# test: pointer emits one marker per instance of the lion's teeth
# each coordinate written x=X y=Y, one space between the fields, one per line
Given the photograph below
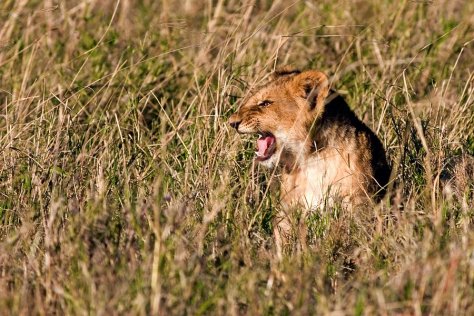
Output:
x=260 y=136
x=258 y=154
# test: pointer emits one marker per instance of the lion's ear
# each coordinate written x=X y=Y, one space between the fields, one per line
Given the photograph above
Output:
x=313 y=86
x=285 y=71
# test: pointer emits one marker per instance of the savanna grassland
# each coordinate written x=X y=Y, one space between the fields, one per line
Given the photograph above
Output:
x=124 y=191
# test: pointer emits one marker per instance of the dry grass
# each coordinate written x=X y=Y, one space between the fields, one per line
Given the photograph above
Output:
x=123 y=190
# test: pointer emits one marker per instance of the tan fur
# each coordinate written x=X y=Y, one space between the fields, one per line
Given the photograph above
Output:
x=324 y=151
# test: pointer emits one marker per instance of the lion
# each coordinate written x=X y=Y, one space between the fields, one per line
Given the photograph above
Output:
x=323 y=151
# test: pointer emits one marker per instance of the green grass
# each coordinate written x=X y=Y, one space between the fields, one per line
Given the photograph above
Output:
x=124 y=191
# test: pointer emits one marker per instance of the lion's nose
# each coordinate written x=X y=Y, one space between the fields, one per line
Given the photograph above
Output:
x=234 y=122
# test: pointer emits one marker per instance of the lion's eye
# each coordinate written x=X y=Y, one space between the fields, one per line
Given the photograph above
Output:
x=265 y=103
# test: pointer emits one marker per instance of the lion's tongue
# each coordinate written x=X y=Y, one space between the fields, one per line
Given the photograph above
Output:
x=263 y=144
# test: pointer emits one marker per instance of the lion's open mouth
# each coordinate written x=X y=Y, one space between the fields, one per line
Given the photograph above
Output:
x=266 y=144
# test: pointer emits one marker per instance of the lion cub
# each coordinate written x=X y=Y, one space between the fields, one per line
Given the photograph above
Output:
x=325 y=152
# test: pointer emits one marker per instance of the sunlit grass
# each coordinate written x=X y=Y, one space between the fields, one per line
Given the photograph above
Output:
x=123 y=190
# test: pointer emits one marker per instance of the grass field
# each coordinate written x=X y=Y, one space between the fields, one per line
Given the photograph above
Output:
x=124 y=191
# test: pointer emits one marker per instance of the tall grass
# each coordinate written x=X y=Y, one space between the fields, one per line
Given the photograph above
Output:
x=123 y=190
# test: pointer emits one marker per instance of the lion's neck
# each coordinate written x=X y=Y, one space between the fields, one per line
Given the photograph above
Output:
x=321 y=167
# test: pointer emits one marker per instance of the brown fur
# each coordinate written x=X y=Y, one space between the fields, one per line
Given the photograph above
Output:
x=324 y=150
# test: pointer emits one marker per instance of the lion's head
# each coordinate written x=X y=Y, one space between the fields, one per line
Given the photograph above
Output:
x=282 y=114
